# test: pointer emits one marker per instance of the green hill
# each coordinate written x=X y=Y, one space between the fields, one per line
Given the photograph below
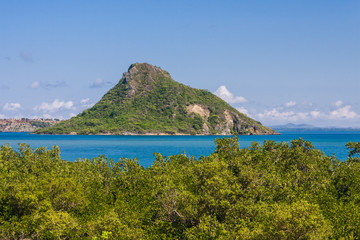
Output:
x=148 y=101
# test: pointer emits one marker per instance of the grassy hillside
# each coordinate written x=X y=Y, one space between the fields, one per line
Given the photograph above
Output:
x=148 y=101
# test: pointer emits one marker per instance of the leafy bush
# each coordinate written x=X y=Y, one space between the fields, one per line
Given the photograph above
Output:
x=269 y=191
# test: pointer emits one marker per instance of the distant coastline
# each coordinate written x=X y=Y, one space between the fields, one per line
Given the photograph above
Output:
x=311 y=128
x=25 y=124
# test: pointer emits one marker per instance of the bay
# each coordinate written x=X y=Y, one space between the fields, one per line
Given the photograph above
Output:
x=143 y=148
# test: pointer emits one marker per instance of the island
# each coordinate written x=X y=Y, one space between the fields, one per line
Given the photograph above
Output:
x=147 y=101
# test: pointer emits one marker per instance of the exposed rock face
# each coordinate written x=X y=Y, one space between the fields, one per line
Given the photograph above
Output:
x=206 y=129
x=148 y=101
x=229 y=122
x=134 y=69
x=201 y=110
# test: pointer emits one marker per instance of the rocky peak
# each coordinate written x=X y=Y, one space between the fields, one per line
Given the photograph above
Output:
x=141 y=77
x=142 y=68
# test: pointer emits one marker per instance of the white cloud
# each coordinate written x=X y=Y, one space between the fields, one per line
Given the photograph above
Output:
x=47 y=116
x=227 y=96
x=48 y=85
x=85 y=100
x=343 y=113
x=290 y=104
x=243 y=110
x=275 y=114
x=2 y=116
x=98 y=83
x=315 y=114
x=35 y=84
x=72 y=115
x=302 y=115
x=11 y=106
x=54 y=106
x=86 y=103
x=338 y=103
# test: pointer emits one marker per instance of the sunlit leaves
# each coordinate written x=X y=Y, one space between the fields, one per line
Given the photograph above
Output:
x=268 y=191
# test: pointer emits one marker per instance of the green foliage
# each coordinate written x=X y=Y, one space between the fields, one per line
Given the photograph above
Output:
x=297 y=220
x=268 y=191
x=39 y=124
x=148 y=100
x=354 y=151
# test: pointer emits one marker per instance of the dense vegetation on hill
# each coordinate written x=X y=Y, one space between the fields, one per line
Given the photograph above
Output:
x=148 y=101
x=273 y=191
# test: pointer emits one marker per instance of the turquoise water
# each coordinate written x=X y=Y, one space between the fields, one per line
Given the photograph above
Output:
x=143 y=147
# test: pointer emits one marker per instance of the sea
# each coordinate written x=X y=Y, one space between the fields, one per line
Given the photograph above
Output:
x=73 y=147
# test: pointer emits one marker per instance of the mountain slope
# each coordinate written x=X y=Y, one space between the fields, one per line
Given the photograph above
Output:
x=148 y=101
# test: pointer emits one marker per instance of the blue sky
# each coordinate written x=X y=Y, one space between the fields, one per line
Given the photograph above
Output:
x=277 y=61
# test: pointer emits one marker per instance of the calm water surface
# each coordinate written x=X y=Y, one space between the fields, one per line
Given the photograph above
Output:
x=73 y=147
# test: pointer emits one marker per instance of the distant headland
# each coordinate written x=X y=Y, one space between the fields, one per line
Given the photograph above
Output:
x=308 y=127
